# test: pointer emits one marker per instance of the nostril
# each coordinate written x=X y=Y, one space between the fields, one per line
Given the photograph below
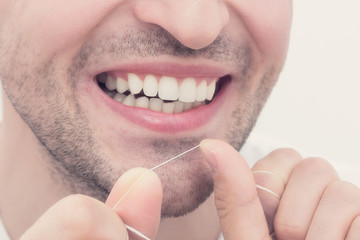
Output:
x=196 y=24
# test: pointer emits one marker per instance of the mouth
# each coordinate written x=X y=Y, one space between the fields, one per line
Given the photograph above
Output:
x=163 y=94
x=165 y=98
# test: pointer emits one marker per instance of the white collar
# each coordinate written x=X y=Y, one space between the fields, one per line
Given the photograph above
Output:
x=3 y=233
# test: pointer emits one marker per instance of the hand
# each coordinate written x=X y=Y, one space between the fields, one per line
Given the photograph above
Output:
x=82 y=217
x=314 y=203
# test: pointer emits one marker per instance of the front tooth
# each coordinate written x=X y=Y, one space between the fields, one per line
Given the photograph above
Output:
x=142 y=102
x=135 y=83
x=110 y=83
x=150 y=86
x=121 y=85
x=129 y=100
x=201 y=91
x=156 y=104
x=187 y=90
x=196 y=104
x=119 y=97
x=211 y=91
x=187 y=106
x=168 y=107
x=168 y=88
x=179 y=107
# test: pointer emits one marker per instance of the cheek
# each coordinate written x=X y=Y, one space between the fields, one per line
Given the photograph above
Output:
x=269 y=23
x=50 y=26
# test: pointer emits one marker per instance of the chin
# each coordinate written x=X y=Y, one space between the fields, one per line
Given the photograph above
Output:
x=185 y=191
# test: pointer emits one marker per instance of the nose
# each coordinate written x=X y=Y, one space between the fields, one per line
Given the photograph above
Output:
x=195 y=23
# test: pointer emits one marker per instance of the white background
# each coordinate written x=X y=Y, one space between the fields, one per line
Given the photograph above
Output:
x=315 y=105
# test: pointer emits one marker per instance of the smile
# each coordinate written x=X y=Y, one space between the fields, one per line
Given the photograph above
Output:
x=166 y=94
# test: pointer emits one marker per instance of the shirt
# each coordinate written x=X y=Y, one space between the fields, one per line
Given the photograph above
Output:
x=3 y=233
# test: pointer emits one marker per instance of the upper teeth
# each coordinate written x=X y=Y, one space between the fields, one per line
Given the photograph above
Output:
x=185 y=93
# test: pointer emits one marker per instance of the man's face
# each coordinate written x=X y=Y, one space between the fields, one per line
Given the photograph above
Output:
x=60 y=62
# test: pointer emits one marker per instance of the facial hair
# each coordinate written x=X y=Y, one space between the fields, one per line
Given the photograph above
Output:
x=73 y=154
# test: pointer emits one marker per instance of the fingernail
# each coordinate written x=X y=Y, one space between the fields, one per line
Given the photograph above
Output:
x=206 y=149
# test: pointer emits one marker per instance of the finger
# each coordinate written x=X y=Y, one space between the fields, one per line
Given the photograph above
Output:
x=339 y=206
x=78 y=217
x=354 y=231
x=239 y=208
x=141 y=207
x=280 y=162
x=301 y=197
x=272 y=172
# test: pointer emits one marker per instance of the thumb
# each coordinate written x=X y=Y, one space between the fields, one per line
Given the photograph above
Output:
x=239 y=208
x=140 y=193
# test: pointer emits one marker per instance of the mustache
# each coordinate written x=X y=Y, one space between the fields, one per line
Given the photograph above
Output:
x=155 y=42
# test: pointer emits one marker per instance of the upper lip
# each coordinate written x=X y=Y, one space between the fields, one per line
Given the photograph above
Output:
x=168 y=68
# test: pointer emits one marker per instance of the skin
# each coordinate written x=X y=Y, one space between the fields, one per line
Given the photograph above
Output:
x=63 y=151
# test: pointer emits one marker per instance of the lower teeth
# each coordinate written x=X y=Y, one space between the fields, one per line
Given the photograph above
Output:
x=154 y=104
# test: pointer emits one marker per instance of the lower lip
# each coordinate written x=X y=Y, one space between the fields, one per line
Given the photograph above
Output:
x=162 y=122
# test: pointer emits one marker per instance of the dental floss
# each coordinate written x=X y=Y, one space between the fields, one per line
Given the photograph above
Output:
x=131 y=188
x=152 y=169
x=173 y=158
x=131 y=229
x=140 y=178
x=136 y=232
x=270 y=173
x=268 y=190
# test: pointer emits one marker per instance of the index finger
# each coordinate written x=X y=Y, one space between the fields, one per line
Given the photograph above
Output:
x=239 y=208
x=141 y=207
